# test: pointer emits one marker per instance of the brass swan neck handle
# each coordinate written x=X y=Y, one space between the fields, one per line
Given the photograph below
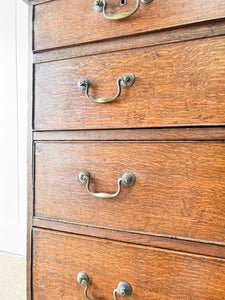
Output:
x=126 y=80
x=123 y=288
x=101 y=5
x=128 y=179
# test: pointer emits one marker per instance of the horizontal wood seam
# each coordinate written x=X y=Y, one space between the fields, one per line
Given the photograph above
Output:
x=122 y=49
x=169 y=126
x=37 y=54
x=164 y=236
x=178 y=134
x=188 y=253
x=157 y=127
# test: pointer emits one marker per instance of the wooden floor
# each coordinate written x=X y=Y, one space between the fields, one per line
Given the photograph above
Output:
x=12 y=277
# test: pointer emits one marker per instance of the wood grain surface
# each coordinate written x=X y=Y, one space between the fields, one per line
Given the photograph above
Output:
x=153 y=134
x=215 y=249
x=179 y=188
x=183 y=33
x=165 y=235
x=152 y=273
x=66 y=22
x=179 y=84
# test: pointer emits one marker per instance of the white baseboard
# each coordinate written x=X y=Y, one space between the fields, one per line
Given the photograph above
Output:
x=13 y=239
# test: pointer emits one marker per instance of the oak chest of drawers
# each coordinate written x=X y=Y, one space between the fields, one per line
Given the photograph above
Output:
x=126 y=153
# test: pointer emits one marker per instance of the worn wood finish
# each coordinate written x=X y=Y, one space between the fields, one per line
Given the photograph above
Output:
x=179 y=188
x=179 y=84
x=189 y=32
x=153 y=134
x=153 y=273
x=63 y=23
x=216 y=249
x=30 y=165
x=165 y=235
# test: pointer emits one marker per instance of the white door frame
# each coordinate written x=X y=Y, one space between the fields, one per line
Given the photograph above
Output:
x=13 y=125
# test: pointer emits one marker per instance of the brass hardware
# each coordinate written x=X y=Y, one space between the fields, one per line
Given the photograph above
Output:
x=126 y=80
x=128 y=179
x=123 y=2
x=123 y=288
x=100 y=6
x=83 y=279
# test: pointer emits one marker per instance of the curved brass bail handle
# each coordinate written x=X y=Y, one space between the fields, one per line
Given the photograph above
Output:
x=123 y=288
x=100 y=6
x=126 y=80
x=128 y=179
x=83 y=279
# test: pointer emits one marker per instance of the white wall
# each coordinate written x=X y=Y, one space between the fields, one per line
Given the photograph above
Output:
x=13 y=124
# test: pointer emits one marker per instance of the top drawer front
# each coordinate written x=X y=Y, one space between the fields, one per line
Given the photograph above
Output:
x=68 y=22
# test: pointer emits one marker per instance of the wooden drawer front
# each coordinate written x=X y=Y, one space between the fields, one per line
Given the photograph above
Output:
x=152 y=273
x=67 y=22
x=179 y=188
x=176 y=84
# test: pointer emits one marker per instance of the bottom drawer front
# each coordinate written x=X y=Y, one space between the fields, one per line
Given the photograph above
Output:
x=152 y=273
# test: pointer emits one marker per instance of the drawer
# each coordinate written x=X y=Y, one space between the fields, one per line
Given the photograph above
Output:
x=177 y=84
x=179 y=187
x=68 y=22
x=152 y=273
